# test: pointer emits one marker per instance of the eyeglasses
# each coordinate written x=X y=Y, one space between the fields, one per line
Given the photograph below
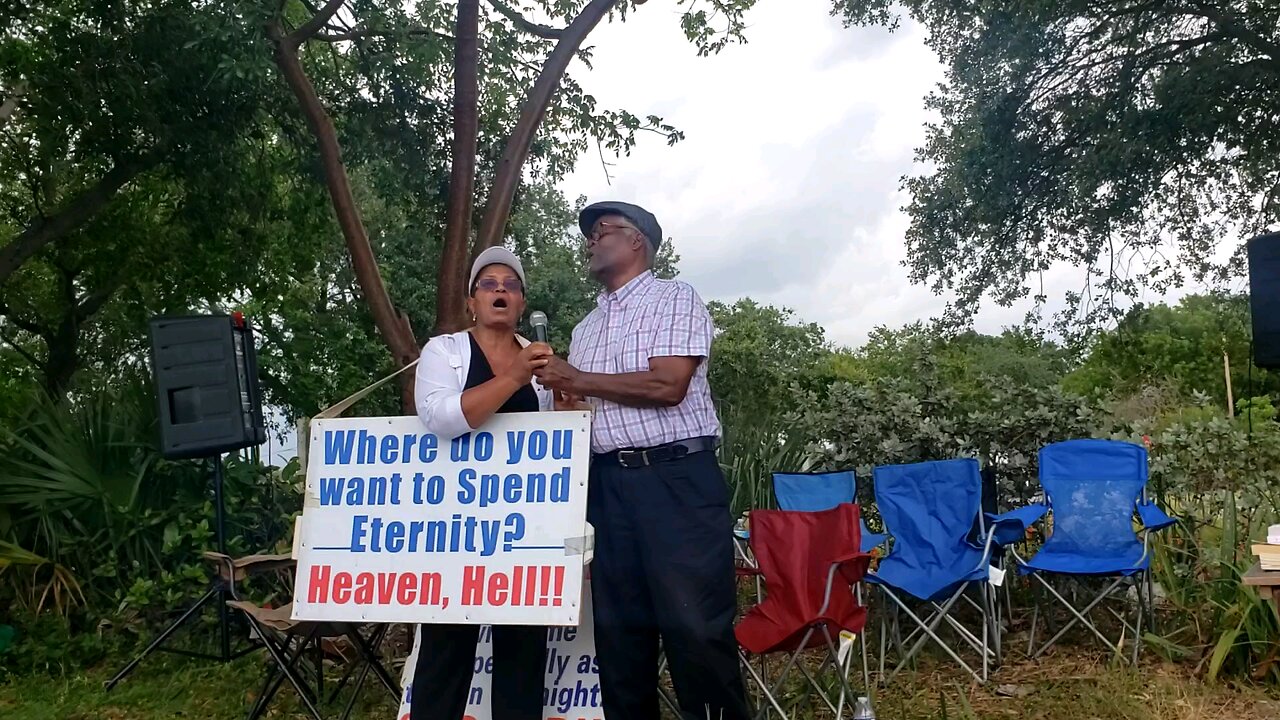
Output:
x=488 y=284
x=604 y=228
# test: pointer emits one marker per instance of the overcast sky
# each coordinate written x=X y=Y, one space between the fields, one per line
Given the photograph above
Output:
x=786 y=188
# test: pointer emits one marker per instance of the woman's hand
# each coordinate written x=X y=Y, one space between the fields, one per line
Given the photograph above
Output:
x=532 y=357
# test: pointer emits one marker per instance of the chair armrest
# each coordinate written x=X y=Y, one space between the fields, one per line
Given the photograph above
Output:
x=1010 y=527
x=851 y=568
x=1152 y=517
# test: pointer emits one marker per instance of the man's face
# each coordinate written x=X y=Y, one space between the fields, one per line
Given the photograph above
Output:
x=612 y=244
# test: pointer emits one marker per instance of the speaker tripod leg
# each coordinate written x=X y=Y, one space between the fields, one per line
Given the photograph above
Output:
x=215 y=590
x=220 y=529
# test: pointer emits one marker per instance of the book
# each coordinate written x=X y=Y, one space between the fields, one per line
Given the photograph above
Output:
x=1268 y=555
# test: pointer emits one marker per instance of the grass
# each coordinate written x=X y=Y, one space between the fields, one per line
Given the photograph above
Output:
x=1077 y=687
x=1074 y=688
x=167 y=686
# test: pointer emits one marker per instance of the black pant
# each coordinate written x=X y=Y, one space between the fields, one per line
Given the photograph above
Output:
x=664 y=566
x=446 y=663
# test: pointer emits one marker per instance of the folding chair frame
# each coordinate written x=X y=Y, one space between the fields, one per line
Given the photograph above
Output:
x=1140 y=581
x=988 y=645
x=289 y=652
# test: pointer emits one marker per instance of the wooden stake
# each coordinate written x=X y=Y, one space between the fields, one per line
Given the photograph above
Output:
x=1226 y=371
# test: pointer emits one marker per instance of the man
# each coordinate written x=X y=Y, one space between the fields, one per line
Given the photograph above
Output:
x=663 y=550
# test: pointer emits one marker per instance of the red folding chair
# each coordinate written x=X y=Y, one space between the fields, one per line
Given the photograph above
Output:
x=811 y=563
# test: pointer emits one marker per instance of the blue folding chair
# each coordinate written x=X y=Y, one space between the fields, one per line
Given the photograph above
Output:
x=1093 y=488
x=930 y=510
x=818 y=491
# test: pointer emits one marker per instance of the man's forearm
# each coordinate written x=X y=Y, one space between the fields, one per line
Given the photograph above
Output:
x=636 y=389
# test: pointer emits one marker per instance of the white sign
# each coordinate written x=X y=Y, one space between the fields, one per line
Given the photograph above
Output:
x=401 y=526
x=571 y=686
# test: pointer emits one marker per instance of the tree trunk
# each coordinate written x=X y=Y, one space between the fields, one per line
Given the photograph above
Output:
x=498 y=209
x=63 y=358
x=451 y=281
x=10 y=104
x=62 y=339
x=392 y=325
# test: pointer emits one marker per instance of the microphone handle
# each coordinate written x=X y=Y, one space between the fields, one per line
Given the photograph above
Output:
x=540 y=333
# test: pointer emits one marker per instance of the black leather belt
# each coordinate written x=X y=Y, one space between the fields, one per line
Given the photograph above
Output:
x=632 y=458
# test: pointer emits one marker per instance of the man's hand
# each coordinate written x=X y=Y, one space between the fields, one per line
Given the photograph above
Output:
x=559 y=375
x=664 y=384
x=569 y=401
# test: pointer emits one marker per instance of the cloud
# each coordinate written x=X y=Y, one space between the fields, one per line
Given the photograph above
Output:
x=787 y=186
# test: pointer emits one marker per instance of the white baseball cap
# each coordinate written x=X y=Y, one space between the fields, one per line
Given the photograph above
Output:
x=496 y=256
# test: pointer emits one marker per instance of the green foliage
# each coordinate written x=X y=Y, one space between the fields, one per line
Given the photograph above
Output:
x=753 y=449
x=49 y=644
x=1179 y=346
x=50 y=584
x=167 y=165
x=84 y=488
x=137 y=166
x=921 y=415
x=968 y=362
x=1220 y=479
x=1204 y=455
x=758 y=353
x=1126 y=138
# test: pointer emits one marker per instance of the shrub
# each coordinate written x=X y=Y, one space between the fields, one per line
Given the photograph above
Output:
x=90 y=505
x=1219 y=476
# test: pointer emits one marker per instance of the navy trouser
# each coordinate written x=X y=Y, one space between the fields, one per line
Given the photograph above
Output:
x=664 y=566
x=446 y=662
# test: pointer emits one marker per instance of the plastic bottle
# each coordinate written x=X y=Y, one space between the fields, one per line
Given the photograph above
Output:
x=862 y=709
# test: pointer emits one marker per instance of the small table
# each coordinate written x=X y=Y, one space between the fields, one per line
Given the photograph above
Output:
x=1267 y=582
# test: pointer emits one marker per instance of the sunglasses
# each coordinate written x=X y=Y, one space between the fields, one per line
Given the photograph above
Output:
x=488 y=284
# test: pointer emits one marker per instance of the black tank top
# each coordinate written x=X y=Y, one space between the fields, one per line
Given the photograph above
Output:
x=524 y=400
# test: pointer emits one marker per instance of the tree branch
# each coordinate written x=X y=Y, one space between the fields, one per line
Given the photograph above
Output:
x=10 y=104
x=498 y=209
x=523 y=23
x=392 y=325
x=35 y=362
x=317 y=21
x=27 y=325
x=1234 y=28
x=450 y=291
x=373 y=33
x=93 y=302
x=73 y=215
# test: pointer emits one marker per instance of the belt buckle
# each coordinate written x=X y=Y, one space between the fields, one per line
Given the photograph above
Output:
x=623 y=460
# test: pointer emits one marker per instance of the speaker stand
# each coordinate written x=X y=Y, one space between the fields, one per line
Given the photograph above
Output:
x=219 y=591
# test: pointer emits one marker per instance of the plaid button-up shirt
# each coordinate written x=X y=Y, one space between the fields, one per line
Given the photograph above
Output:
x=643 y=319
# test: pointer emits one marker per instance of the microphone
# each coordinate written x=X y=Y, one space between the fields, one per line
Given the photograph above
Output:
x=538 y=320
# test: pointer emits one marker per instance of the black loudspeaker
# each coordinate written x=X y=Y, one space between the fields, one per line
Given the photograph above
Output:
x=206 y=379
x=1264 y=298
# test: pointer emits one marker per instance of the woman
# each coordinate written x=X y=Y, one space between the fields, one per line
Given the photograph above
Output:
x=464 y=378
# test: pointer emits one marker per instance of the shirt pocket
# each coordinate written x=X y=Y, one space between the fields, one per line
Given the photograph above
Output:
x=631 y=353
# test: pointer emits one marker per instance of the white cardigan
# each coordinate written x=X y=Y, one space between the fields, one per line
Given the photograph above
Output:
x=440 y=378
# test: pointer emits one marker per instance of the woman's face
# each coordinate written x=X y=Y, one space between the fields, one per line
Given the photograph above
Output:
x=497 y=300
